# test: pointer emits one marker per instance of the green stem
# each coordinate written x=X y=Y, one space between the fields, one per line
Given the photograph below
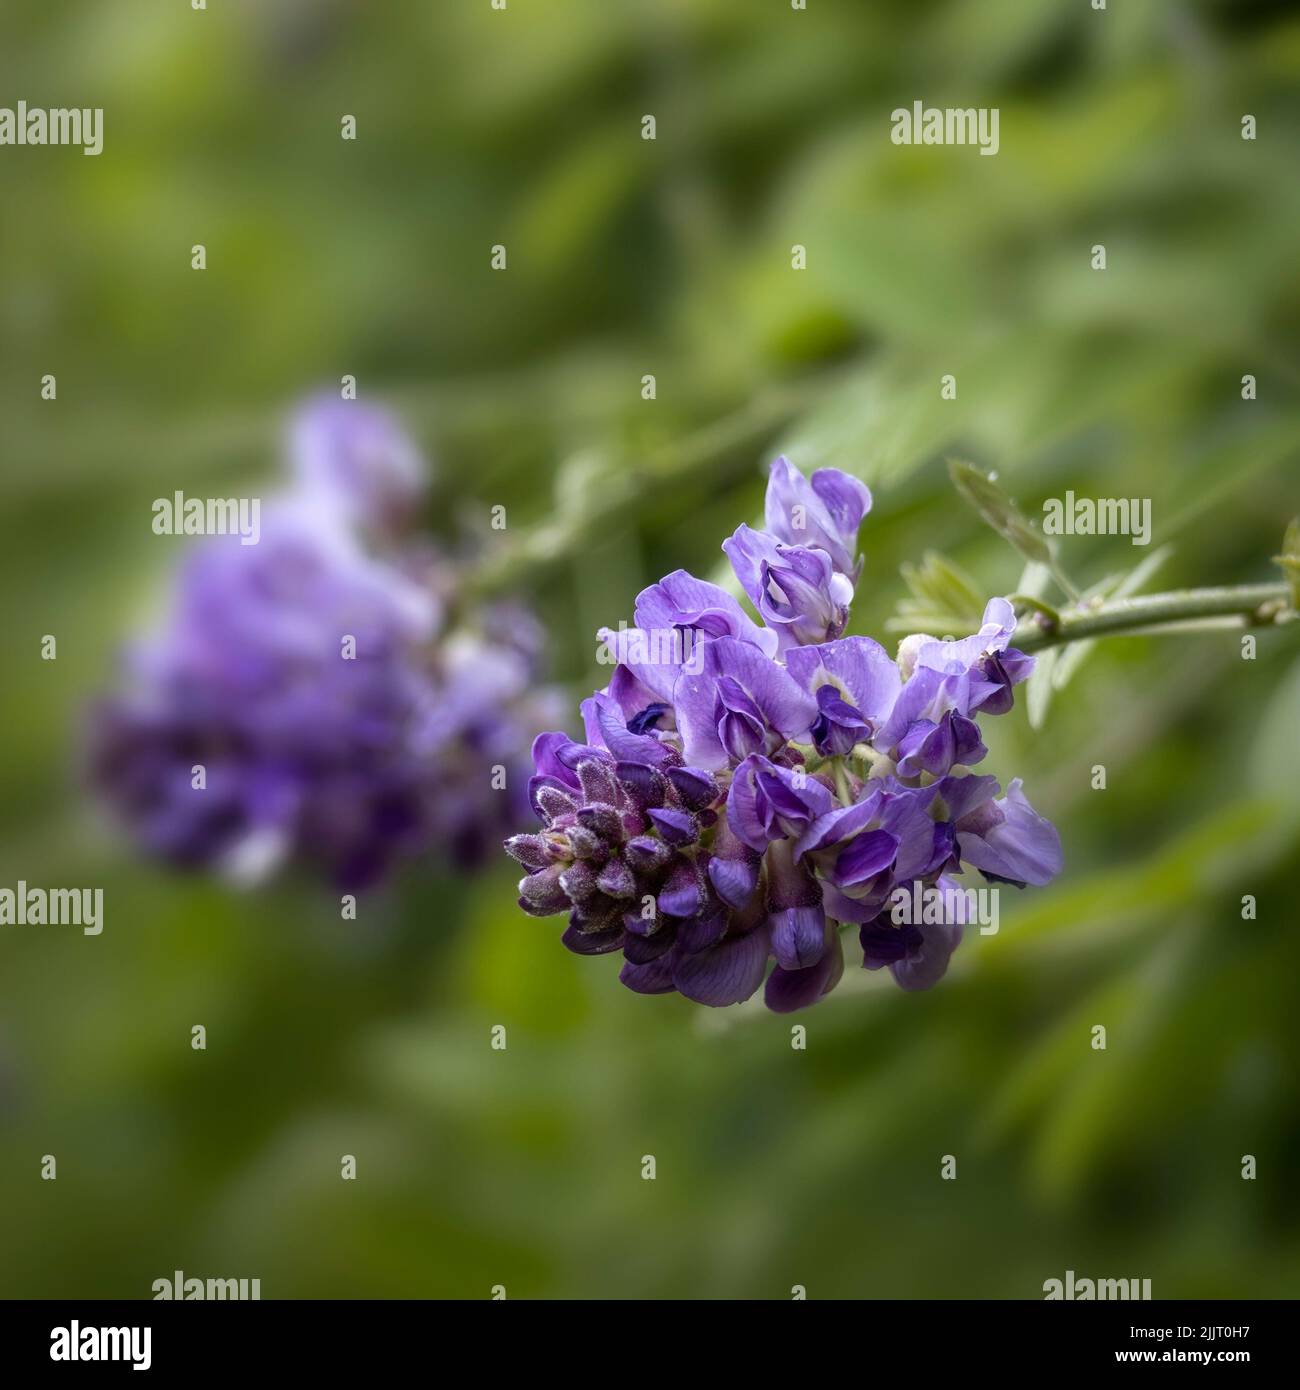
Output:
x=842 y=782
x=1252 y=604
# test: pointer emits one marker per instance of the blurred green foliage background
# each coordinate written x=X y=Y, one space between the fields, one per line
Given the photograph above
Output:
x=776 y=1167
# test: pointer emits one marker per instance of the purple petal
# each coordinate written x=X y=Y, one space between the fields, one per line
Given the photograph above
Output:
x=788 y=990
x=861 y=671
x=680 y=600
x=924 y=967
x=767 y=802
x=825 y=513
x=734 y=880
x=546 y=758
x=532 y=851
x=838 y=824
x=787 y=710
x=681 y=895
x=798 y=936
x=642 y=783
x=696 y=787
x=1023 y=847
x=885 y=942
x=592 y=943
x=705 y=929
x=623 y=744
x=543 y=894
x=641 y=950
x=865 y=856
x=677 y=827
x=653 y=977
x=727 y=973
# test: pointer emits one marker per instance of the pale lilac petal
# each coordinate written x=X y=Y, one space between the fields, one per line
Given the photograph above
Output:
x=860 y=669
x=1023 y=848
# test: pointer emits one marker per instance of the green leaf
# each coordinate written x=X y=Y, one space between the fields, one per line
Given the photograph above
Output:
x=944 y=598
x=998 y=511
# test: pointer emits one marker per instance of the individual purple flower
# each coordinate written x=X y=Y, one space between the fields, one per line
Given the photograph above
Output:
x=674 y=619
x=865 y=849
x=824 y=511
x=1002 y=670
x=682 y=602
x=733 y=866
x=635 y=740
x=1005 y=839
x=965 y=677
x=917 y=953
x=767 y=802
x=855 y=685
x=790 y=989
x=796 y=916
x=934 y=748
x=741 y=702
x=799 y=594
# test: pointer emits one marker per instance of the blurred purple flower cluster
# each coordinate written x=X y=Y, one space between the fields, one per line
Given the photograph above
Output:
x=744 y=789
x=309 y=698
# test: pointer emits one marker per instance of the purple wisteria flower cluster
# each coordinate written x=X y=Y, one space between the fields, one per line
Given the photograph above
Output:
x=746 y=789
x=324 y=696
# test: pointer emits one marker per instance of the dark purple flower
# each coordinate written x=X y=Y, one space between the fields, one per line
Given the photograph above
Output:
x=634 y=741
x=864 y=850
x=1002 y=670
x=794 y=905
x=788 y=990
x=934 y=748
x=674 y=619
x=917 y=954
x=733 y=866
x=767 y=802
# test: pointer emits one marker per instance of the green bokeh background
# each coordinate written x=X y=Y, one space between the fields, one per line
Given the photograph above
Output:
x=776 y=1167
